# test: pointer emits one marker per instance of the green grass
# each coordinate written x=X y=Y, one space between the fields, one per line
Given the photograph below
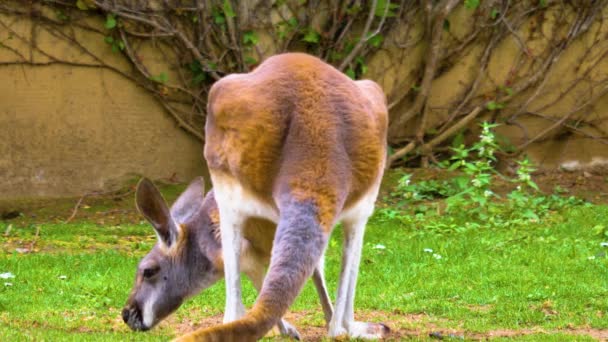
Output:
x=547 y=277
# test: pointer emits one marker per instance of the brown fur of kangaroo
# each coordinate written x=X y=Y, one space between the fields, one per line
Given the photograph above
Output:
x=298 y=143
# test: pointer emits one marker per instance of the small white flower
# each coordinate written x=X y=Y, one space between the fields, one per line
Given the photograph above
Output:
x=379 y=246
x=604 y=244
x=591 y=257
x=488 y=193
x=428 y=250
x=63 y=277
x=8 y=284
x=7 y=275
x=437 y=256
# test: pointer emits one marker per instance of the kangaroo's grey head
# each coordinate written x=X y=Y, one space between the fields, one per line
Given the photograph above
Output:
x=185 y=259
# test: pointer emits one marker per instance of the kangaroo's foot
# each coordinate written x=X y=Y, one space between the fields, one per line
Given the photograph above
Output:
x=288 y=330
x=362 y=330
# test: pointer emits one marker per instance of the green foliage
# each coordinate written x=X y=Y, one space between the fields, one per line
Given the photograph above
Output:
x=383 y=6
x=84 y=5
x=250 y=60
x=228 y=11
x=250 y=38
x=116 y=44
x=198 y=74
x=358 y=69
x=375 y=40
x=110 y=21
x=472 y=4
x=287 y=27
x=61 y=15
x=311 y=36
x=160 y=78
x=470 y=194
x=493 y=105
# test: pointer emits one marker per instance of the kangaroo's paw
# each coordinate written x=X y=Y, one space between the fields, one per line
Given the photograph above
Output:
x=362 y=330
x=288 y=330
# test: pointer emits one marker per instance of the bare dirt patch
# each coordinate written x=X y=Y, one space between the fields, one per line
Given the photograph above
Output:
x=311 y=326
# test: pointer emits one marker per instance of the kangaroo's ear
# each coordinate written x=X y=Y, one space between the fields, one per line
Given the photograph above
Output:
x=190 y=201
x=152 y=205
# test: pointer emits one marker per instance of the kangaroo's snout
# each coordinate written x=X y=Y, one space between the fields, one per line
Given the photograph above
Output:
x=133 y=318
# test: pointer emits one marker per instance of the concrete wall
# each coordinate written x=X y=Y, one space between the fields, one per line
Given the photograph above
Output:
x=67 y=130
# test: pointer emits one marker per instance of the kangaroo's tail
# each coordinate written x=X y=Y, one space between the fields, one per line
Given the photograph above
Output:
x=299 y=242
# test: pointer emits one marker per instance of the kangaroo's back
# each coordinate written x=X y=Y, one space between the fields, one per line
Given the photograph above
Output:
x=299 y=123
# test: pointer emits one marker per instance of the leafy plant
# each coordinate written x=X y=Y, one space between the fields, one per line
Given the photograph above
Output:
x=110 y=21
x=311 y=36
x=250 y=38
x=471 y=4
x=469 y=193
x=385 y=6
x=116 y=44
x=161 y=78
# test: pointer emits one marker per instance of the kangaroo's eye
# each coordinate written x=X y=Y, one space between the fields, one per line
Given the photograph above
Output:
x=150 y=272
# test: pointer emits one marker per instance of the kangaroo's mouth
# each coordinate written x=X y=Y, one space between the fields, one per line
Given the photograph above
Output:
x=133 y=318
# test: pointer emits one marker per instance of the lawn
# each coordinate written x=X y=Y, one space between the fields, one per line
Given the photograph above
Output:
x=546 y=279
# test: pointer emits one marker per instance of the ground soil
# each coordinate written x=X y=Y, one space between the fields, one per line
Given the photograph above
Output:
x=403 y=327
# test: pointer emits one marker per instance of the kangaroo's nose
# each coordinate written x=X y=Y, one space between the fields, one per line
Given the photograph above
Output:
x=125 y=315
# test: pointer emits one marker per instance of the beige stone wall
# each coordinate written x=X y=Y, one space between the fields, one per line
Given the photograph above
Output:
x=68 y=130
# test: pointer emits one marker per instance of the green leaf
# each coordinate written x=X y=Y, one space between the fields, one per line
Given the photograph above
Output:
x=375 y=40
x=250 y=60
x=493 y=105
x=351 y=73
x=227 y=7
x=110 y=21
x=381 y=8
x=109 y=39
x=446 y=25
x=82 y=5
x=458 y=139
x=219 y=19
x=250 y=38
x=543 y=3
x=471 y=4
x=311 y=36
x=161 y=78
x=494 y=13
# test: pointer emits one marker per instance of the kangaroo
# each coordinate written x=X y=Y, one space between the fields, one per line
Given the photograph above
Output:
x=298 y=143
x=187 y=257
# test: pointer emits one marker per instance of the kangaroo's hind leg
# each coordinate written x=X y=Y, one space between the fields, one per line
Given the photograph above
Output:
x=343 y=322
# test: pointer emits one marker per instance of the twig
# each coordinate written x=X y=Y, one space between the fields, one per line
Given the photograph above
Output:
x=75 y=210
x=33 y=243
x=363 y=39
